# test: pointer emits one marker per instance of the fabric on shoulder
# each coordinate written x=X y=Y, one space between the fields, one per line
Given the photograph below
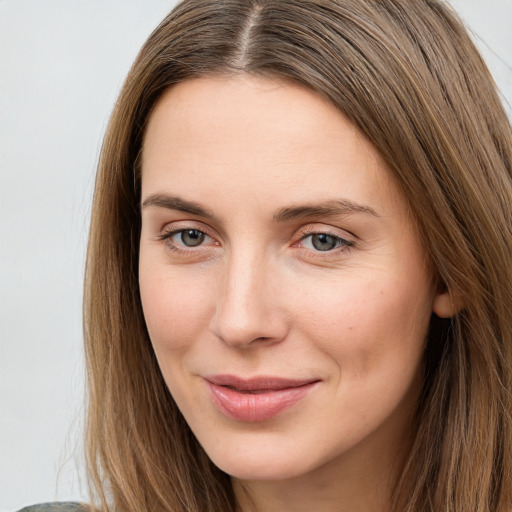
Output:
x=67 y=506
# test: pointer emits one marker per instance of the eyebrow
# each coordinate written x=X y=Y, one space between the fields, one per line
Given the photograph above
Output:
x=176 y=203
x=328 y=208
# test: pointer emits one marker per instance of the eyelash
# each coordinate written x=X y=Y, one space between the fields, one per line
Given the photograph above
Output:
x=342 y=244
x=166 y=237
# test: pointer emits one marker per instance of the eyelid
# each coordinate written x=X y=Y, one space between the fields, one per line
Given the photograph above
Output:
x=344 y=243
x=182 y=225
x=171 y=234
x=319 y=228
x=347 y=239
x=173 y=228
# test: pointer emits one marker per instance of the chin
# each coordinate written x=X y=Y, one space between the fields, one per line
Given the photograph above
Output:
x=260 y=462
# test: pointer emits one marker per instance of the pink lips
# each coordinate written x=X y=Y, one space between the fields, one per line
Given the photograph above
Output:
x=256 y=399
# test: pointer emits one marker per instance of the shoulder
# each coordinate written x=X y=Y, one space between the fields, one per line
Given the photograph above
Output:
x=67 y=506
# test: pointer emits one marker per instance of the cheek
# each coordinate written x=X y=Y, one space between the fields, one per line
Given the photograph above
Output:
x=369 y=327
x=175 y=310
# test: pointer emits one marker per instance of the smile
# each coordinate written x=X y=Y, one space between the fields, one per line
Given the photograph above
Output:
x=257 y=399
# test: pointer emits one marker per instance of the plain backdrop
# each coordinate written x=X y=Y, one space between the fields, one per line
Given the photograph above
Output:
x=62 y=63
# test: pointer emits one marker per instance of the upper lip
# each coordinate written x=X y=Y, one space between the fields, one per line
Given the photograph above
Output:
x=258 y=383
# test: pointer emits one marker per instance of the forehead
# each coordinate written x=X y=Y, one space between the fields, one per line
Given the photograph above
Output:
x=250 y=134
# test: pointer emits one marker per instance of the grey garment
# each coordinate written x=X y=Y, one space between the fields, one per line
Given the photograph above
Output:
x=67 y=506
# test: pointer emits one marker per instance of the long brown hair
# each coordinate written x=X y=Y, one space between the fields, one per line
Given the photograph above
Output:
x=408 y=76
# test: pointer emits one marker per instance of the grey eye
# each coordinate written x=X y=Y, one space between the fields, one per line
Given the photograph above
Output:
x=191 y=237
x=324 y=242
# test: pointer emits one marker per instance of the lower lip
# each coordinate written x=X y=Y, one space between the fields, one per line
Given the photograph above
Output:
x=251 y=407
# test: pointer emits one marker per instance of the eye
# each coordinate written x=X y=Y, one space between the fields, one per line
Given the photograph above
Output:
x=324 y=242
x=190 y=237
x=186 y=238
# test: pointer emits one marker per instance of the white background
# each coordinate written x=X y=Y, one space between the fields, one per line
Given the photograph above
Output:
x=62 y=63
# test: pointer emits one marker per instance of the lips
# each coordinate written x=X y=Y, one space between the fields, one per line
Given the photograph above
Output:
x=256 y=399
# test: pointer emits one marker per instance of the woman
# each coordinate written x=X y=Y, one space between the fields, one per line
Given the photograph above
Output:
x=299 y=283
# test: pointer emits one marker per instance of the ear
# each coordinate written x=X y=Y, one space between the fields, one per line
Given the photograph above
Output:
x=446 y=304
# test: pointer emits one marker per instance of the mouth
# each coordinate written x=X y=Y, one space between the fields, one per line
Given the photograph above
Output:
x=248 y=391
x=256 y=399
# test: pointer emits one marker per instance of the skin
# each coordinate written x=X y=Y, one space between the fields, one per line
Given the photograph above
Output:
x=256 y=296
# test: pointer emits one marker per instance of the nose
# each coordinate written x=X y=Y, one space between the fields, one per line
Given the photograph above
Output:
x=248 y=310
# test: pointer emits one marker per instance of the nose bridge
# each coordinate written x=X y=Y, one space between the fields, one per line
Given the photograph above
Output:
x=246 y=309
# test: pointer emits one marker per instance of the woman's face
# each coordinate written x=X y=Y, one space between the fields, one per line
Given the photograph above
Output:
x=283 y=284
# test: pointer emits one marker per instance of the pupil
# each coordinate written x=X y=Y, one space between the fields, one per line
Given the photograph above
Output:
x=323 y=242
x=192 y=237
